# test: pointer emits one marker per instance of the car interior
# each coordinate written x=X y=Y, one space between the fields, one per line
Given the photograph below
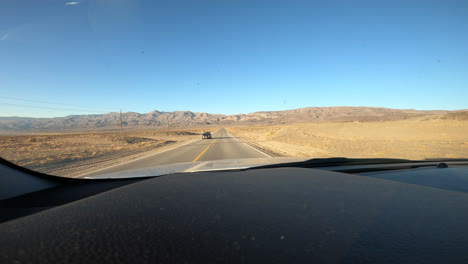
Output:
x=295 y=213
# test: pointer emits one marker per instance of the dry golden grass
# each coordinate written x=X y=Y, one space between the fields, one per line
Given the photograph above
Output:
x=65 y=154
x=69 y=154
x=409 y=139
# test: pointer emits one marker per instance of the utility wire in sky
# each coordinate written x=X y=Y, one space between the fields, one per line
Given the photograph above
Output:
x=55 y=108
x=43 y=102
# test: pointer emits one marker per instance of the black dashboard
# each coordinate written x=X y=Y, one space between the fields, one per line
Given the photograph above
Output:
x=273 y=215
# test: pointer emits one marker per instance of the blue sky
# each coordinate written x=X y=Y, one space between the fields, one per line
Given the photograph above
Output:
x=61 y=57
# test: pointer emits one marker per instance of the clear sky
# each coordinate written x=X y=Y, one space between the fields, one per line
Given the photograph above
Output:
x=230 y=56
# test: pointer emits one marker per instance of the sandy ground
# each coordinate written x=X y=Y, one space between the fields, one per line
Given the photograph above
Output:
x=73 y=154
x=409 y=139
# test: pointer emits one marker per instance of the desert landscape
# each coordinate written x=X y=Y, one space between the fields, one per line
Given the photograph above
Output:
x=71 y=146
x=409 y=139
x=71 y=154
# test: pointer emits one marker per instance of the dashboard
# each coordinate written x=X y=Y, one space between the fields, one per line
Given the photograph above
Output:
x=352 y=214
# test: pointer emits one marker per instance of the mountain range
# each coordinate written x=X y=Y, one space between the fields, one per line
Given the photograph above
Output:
x=159 y=119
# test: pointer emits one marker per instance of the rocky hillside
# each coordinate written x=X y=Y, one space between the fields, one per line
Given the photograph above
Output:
x=461 y=115
x=160 y=119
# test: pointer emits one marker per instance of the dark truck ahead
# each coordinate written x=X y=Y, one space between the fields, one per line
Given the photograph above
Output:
x=206 y=135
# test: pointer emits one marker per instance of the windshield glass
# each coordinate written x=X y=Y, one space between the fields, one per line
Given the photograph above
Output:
x=91 y=87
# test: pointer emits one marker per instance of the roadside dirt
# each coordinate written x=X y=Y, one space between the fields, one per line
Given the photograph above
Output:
x=409 y=139
x=73 y=154
x=77 y=153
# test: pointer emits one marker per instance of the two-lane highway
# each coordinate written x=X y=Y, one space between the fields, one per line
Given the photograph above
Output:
x=222 y=146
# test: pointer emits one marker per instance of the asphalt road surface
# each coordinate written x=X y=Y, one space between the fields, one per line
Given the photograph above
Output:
x=222 y=146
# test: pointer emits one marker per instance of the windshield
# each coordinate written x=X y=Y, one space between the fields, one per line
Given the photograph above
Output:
x=91 y=87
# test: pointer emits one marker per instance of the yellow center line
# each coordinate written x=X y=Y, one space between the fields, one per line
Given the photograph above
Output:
x=204 y=151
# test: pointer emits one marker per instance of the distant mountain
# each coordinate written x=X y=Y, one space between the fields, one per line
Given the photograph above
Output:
x=459 y=115
x=158 y=119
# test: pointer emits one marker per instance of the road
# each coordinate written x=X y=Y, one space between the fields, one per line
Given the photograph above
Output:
x=222 y=146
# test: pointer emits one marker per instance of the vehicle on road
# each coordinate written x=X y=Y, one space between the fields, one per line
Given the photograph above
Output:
x=332 y=131
x=206 y=135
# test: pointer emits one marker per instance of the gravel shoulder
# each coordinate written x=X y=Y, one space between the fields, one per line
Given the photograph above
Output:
x=73 y=154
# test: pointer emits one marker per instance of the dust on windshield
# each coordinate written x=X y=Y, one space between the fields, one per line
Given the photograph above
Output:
x=93 y=87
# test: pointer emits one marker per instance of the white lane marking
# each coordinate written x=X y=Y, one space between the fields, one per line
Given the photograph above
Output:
x=220 y=169
x=196 y=167
x=249 y=145
x=143 y=157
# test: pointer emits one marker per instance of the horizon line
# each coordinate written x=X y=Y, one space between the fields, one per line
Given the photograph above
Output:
x=155 y=110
